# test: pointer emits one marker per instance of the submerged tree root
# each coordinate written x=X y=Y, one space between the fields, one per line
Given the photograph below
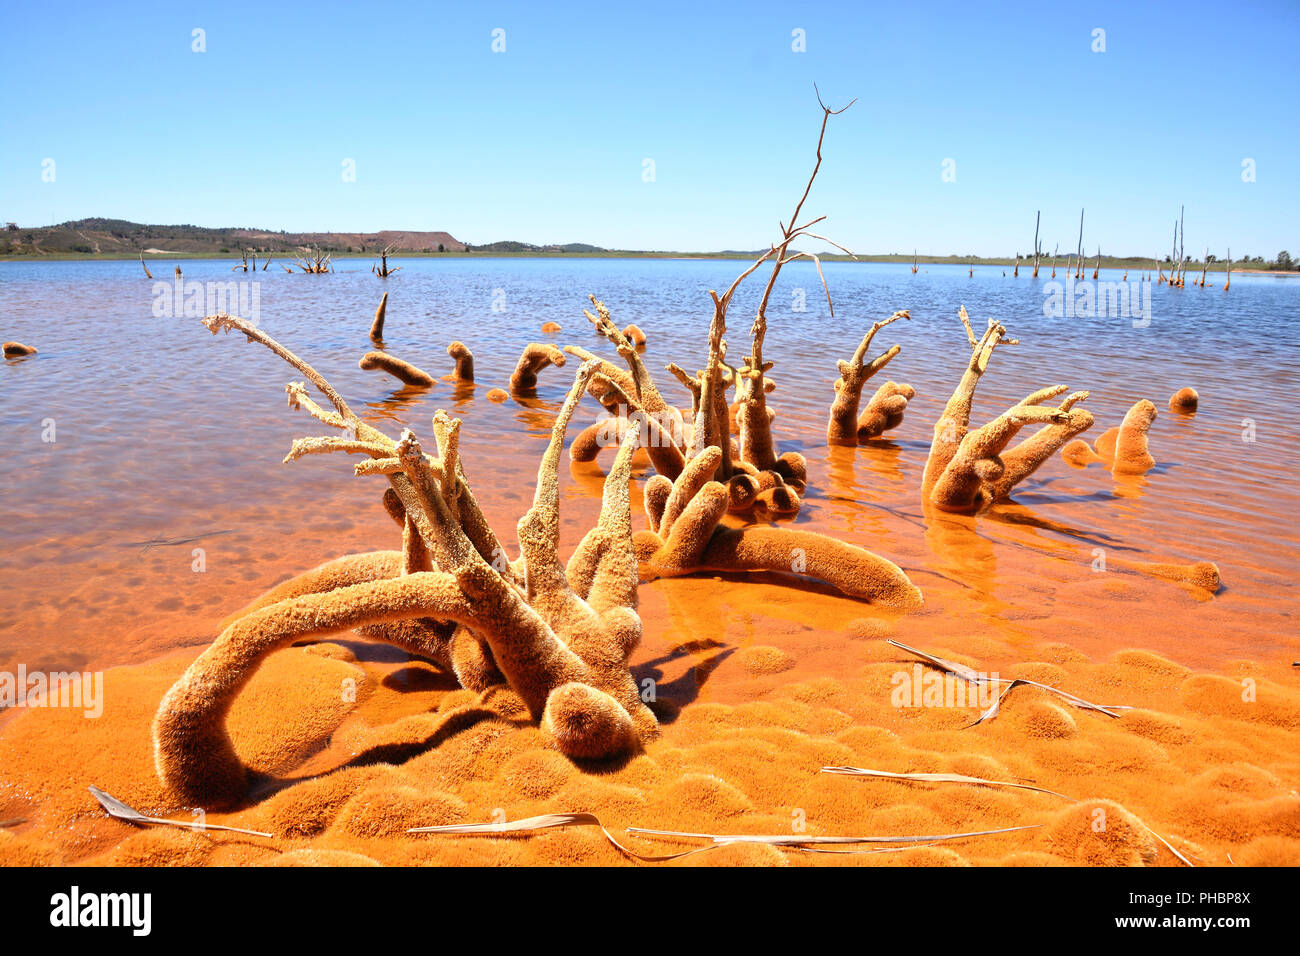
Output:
x=535 y=357
x=464 y=362
x=884 y=411
x=1124 y=449
x=559 y=636
x=395 y=367
x=686 y=536
x=969 y=469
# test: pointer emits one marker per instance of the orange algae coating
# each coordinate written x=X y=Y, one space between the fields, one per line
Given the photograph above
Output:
x=1184 y=400
x=464 y=361
x=395 y=367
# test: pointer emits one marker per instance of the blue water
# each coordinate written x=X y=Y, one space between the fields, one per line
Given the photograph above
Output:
x=163 y=433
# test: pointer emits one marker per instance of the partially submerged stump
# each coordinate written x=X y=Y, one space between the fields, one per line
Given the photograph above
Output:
x=1123 y=449
x=757 y=479
x=535 y=357
x=314 y=263
x=558 y=635
x=1184 y=400
x=377 y=326
x=969 y=469
x=464 y=361
x=395 y=367
x=885 y=410
x=686 y=536
x=382 y=270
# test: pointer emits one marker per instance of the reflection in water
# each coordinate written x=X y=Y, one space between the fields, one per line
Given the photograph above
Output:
x=396 y=407
x=537 y=414
x=1132 y=486
x=962 y=553
x=462 y=393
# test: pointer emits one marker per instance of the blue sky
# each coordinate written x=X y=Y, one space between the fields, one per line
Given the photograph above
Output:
x=546 y=142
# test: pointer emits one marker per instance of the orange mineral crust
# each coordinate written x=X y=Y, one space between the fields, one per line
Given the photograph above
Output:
x=748 y=722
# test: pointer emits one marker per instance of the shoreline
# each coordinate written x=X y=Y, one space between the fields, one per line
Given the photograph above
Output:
x=1106 y=263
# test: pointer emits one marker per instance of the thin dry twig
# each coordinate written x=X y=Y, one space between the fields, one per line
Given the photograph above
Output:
x=117 y=809
x=965 y=673
x=940 y=778
x=980 y=781
x=807 y=843
x=549 y=821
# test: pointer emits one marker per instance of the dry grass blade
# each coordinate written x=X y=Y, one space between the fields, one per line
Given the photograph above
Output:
x=961 y=670
x=119 y=810
x=941 y=778
x=995 y=706
x=1078 y=701
x=1168 y=845
x=980 y=781
x=798 y=842
x=966 y=673
x=549 y=821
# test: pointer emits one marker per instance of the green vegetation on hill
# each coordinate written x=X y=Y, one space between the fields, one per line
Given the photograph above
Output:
x=118 y=239
x=581 y=248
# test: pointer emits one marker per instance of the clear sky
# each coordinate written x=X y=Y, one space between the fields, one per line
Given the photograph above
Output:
x=547 y=141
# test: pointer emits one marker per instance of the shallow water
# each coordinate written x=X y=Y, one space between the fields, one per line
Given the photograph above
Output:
x=166 y=440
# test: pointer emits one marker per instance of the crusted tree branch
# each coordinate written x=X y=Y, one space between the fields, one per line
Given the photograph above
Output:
x=842 y=428
x=969 y=469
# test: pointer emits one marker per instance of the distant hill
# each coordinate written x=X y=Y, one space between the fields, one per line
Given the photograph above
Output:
x=117 y=237
x=512 y=246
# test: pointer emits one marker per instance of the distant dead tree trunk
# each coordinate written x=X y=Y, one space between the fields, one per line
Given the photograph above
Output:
x=1038 y=252
x=317 y=263
x=1079 y=256
x=383 y=271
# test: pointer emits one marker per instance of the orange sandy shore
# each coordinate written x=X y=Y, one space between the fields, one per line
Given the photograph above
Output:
x=760 y=682
x=755 y=697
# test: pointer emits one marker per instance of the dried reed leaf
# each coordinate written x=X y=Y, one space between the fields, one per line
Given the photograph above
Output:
x=961 y=670
x=549 y=821
x=980 y=781
x=967 y=674
x=119 y=810
x=799 y=842
x=1169 y=845
x=811 y=844
x=940 y=778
